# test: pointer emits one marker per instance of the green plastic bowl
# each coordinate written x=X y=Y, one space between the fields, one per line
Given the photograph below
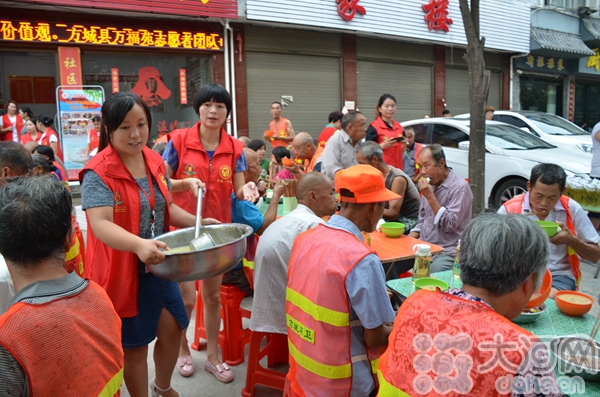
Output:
x=430 y=283
x=393 y=229
x=551 y=228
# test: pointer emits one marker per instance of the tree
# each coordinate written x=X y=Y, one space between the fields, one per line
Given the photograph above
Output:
x=479 y=83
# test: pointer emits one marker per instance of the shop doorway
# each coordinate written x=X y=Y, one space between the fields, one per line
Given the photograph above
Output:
x=543 y=95
x=587 y=105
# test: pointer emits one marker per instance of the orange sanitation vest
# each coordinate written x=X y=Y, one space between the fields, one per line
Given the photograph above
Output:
x=280 y=130
x=394 y=155
x=70 y=346
x=515 y=206
x=318 y=312
x=315 y=158
x=117 y=271
x=449 y=330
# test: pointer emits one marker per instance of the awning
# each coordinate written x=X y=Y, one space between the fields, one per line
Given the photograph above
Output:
x=560 y=44
x=592 y=29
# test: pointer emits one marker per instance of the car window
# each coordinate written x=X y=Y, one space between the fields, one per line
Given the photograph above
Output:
x=554 y=125
x=448 y=136
x=509 y=137
x=512 y=120
x=420 y=133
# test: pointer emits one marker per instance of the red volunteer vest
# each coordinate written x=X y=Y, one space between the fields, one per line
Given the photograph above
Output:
x=515 y=206
x=6 y=123
x=26 y=138
x=217 y=174
x=67 y=347
x=46 y=142
x=428 y=315
x=325 y=135
x=93 y=139
x=317 y=312
x=394 y=155
x=116 y=271
x=315 y=158
x=280 y=130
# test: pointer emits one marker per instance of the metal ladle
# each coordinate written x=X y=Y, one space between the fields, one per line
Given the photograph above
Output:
x=204 y=240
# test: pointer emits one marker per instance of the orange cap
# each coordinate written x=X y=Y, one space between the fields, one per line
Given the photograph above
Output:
x=366 y=183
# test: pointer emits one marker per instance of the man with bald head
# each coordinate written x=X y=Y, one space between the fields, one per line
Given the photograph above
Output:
x=245 y=212
x=316 y=199
x=305 y=150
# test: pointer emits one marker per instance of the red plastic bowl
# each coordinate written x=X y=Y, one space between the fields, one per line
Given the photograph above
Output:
x=540 y=297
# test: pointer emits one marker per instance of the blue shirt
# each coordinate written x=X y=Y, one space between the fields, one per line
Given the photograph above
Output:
x=245 y=212
x=370 y=307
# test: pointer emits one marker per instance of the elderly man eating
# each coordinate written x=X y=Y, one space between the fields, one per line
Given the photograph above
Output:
x=443 y=343
x=305 y=150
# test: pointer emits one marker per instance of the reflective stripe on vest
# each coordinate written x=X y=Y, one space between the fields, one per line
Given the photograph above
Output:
x=324 y=370
x=515 y=206
x=113 y=385
x=388 y=390
x=319 y=313
x=247 y=263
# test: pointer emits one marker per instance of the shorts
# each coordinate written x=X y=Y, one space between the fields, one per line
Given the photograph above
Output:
x=563 y=283
x=154 y=294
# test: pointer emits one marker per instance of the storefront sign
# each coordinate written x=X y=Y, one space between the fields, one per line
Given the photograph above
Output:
x=544 y=64
x=43 y=88
x=76 y=108
x=347 y=9
x=21 y=89
x=114 y=79
x=69 y=59
x=436 y=15
x=571 y=100
x=63 y=33
x=593 y=60
x=198 y=8
x=182 y=87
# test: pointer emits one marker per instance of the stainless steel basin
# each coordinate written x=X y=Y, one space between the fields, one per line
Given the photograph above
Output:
x=230 y=240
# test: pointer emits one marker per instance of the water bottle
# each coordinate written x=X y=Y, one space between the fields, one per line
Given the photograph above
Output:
x=456 y=266
x=422 y=266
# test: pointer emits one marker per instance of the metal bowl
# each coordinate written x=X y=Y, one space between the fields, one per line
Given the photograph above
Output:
x=526 y=318
x=576 y=347
x=230 y=240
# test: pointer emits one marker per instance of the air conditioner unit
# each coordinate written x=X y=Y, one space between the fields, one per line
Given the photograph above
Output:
x=592 y=4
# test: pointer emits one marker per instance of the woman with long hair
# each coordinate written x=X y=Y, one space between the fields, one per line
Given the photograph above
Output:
x=49 y=136
x=25 y=114
x=12 y=124
x=387 y=132
x=205 y=152
x=33 y=134
x=125 y=192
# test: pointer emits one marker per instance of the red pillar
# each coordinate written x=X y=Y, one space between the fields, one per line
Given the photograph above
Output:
x=439 y=80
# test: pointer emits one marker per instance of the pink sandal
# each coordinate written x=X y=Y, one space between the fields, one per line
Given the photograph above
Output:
x=185 y=365
x=221 y=372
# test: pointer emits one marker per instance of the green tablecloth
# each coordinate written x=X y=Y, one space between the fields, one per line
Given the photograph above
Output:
x=551 y=323
x=264 y=206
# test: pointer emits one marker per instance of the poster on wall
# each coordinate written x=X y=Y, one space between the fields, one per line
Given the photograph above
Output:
x=76 y=108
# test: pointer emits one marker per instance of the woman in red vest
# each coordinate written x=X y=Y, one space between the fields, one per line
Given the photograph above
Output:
x=92 y=143
x=49 y=136
x=205 y=155
x=387 y=132
x=125 y=192
x=12 y=123
x=33 y=134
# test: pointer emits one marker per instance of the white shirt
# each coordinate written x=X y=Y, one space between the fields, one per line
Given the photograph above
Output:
x=13 y=121
x=559 y=264
x=270 y=268
x=6 y=287
x=595 y=172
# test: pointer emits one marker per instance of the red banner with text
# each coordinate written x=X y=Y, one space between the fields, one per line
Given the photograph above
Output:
x=69 y=59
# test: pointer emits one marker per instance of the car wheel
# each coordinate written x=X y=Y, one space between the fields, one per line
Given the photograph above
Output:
x=508 y=190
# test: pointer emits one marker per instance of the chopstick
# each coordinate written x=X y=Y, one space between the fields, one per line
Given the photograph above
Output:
x=596 y=327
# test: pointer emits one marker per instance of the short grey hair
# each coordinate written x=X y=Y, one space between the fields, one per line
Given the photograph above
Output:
x=437 y=153
x=409 y=129
x=349 y=118
x=370 y=150
x=499 y=252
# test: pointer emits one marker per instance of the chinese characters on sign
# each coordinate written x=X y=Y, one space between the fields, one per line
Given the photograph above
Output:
x=42 y=32
x=114 y=79
x=594 y=60
x=549 y=63
x=348 y=8
x=70 y=66
x=436 y=15
x=182 y=87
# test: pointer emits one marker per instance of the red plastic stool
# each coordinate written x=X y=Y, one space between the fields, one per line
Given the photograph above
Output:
x=232 y=338
x=277 y=352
